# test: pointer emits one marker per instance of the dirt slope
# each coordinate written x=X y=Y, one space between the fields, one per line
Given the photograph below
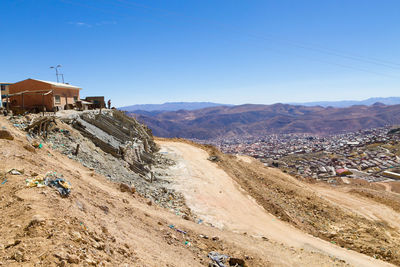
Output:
x=213 y=195
x=362 y=206
x=301 y=205
x=98 y=225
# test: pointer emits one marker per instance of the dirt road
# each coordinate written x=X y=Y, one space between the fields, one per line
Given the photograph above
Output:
x=218 y=200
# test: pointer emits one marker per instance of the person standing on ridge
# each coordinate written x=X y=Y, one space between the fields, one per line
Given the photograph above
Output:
x=109 y=103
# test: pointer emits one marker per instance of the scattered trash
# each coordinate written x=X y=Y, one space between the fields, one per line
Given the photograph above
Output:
x=214 y=158
x=51 y=179
x=35 y=144
x=204 y=236
x=35 y=182
x=40 y=145
x=62 y=186
x=219 y=259
x=83 y=226
x=180 y=231
x=16 y=172
x=187 y=243
x=5 y=180
x=199 y=221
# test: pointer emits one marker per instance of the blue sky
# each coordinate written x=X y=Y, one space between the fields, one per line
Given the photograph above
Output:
x=226 y=51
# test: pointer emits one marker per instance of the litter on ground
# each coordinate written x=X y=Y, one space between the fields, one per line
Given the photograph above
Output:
x=218 y=259
x=51 y=179
x=15 y=172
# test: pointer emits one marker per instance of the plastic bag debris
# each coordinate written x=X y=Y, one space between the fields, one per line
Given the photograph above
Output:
x=176 y=229
x=62 y=186
x=35 y=182
x=15 y=172
x=51 y=179
x=217 y=258
x=181 y=231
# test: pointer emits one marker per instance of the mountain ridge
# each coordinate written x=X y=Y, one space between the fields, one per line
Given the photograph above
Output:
x=171 y=106
x=348 y=103
x=151 y=109
x=258 y=120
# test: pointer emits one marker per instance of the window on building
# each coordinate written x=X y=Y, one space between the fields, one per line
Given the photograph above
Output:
x=75 y=98
x=57 y=99
x=3 y=87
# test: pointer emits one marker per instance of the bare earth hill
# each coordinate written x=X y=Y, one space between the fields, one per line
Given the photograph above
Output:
x=259 y=120
x=256 y=215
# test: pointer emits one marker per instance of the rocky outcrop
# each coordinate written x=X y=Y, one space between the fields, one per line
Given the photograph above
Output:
x=119 y=135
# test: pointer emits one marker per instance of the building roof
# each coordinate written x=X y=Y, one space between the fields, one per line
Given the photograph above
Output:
x=6 y=83
x=43 y=92
x=58 y=84
x=86 y=102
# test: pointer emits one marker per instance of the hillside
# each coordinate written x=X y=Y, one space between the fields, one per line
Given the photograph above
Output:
x=98 y=224
x=170 y=106
x=215 y=191
x=259 y=120
x=169 y=208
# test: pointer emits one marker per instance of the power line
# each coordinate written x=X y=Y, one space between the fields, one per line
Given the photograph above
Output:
x=319 y=49
x=326 y=51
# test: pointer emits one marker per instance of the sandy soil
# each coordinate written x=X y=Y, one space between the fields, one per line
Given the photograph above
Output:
x=216 y=198
x=387 y=185
x=362 y=206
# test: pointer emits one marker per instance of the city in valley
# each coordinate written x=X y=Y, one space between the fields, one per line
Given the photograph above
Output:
x=372 y=155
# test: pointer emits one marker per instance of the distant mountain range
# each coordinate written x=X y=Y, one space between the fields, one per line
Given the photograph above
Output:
x=349 y=103
x=171 y=106
x=260 y=120
x=154 y=109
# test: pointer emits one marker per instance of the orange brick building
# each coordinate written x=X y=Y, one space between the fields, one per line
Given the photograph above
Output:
x=30 y=94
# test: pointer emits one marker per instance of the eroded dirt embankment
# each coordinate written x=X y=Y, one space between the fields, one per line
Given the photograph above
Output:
x=99 y=225
x=211 y=192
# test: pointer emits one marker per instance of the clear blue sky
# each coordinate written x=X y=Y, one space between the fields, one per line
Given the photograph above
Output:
x=226 y=51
